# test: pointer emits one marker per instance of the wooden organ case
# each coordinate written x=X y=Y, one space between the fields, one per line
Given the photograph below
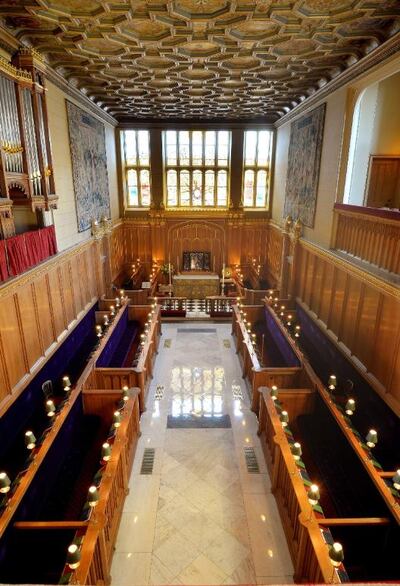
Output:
x=26 y=178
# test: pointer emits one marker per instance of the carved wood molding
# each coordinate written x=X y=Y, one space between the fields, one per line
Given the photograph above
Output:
x=32 y=274
x=196 y=59
x=362 y=275
x=386 y=50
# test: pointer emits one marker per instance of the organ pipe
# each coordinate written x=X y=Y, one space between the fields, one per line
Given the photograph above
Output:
x=25 y=155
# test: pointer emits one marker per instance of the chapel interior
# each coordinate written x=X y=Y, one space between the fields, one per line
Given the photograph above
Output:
x=199 y=292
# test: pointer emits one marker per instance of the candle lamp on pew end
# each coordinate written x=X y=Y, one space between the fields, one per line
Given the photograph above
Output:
x=30 y=440
x=372 y=438
x=5 y=483
x=50 y=408
x=116 y=419
x=66 y=383
x=73 y=556
x=125 y=393
x=296 y=451
x=350 y=407
x=313 y=497
x=274 y=392
x=396 y=480
x=336 y=556
x=332 y=382
x=284 y=418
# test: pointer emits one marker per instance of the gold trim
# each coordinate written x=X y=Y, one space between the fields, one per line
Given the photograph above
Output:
x=17 y=74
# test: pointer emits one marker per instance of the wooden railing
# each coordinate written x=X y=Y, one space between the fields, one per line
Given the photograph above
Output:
x=136 y=376
x=308 y=549
x=252 y=368
x=312 y=380
x=97 y=534
x=99 y=539
x=15 y=499
x=220 y=306
x=369 y=234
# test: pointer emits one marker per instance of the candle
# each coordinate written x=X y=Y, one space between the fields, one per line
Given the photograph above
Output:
x=66 y=383
x=177 y=264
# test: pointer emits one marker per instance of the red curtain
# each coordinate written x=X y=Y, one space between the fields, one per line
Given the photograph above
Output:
x=17 y=255
x=3 y=261
x=34 y=247
x=49 y=243
x=26 y=250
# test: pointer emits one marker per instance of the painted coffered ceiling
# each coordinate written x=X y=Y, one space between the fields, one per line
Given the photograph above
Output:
x=201 y=59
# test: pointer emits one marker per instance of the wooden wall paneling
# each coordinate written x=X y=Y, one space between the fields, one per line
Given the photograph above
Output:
x=308 y=278
x=76 y=286
x=56 y=300
x=4 y=383
x=157 y=240
x=368 y=316
x=234 y=244
x=45 y=312
x=12 y=341
x=383 y=354
x=67 y=292
x=326 y=292
x=350 y=323
x=274 y=251
x=316 y=287
x=84 y=279
x=91 y=273
x=337 y=300
x=37 y=307
x=25 y=304
x=342 y=324
x=394 y=387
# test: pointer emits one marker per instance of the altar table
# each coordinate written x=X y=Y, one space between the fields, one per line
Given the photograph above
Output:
x=195 y=286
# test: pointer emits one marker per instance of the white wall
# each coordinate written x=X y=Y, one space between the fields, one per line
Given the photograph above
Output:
x=360 y=147
x=330 y=158
x=65 y=216
x=376 y=131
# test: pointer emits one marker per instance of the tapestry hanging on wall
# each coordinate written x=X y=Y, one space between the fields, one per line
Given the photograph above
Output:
x=89 y=166
x=306 y=135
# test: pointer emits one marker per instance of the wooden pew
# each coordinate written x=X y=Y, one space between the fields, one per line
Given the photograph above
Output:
x=138 y=376
x=366 y=459
x=308 y=550
x=252 y=369
x=40 y=454
x=96 y=531
x=98 y=543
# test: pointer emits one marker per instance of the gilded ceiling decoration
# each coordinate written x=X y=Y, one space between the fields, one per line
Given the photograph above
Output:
x=205 y=59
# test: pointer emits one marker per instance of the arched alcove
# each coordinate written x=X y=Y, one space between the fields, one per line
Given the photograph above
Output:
x=373 y=169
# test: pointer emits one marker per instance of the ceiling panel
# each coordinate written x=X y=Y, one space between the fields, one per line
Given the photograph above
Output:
x=208 y=59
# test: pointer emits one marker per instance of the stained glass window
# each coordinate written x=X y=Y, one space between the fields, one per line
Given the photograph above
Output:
x=197 y=167
x=136 y=156
x=257 y=168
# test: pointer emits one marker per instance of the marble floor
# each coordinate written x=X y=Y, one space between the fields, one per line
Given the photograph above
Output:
x=200 y=518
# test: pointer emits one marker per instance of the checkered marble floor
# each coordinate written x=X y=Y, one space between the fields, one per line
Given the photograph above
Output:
x=200 y=518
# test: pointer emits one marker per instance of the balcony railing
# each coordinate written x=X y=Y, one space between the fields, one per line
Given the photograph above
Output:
x=369 y=234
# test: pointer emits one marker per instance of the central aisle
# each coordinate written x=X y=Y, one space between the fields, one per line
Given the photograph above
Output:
x=200 y=518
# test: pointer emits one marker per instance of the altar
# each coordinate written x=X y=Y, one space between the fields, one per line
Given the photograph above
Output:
x=196 y=286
